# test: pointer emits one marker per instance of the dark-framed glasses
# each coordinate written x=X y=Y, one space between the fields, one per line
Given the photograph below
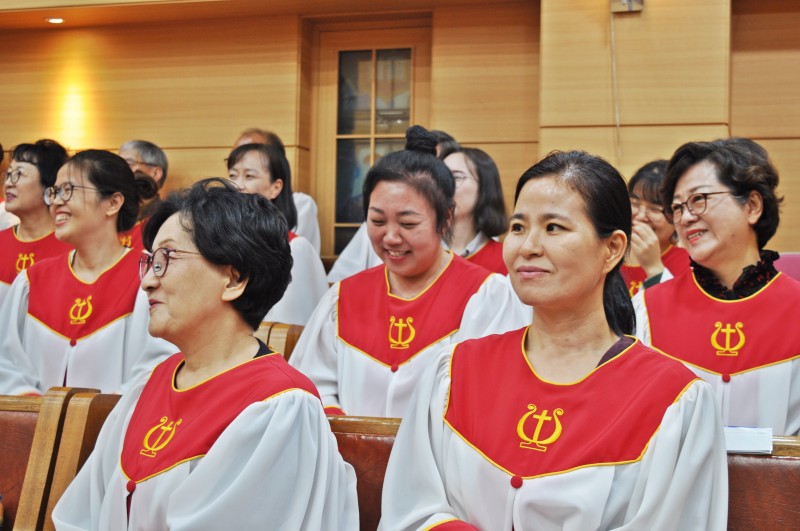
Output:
x=158 y=261
x=64 y=192
x=696 y=204
x=13 y=176
x=651 y=211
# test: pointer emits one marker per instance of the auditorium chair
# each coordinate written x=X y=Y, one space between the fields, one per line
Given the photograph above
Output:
x=280 y=337
x=789 y=263
x=30 y=433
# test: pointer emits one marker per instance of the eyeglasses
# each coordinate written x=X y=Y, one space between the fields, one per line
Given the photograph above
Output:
x=13 y=176
x=460 y=178
x=158 y=260
x=64 y=192
x=696 y=204
x=134 y=162
x=650 y=211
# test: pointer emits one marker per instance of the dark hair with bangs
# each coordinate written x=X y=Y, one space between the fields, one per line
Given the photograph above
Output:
x=605 y=195
x=646 y=182
x=245 y=231
x=418 y=167
x=273 y=160
x=743 y=166
x=47 y=155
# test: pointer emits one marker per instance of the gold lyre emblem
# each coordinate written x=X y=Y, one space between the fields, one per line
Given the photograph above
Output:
x=80 y=311
x=726 y=349
x=536 y=442
x=125 y=239
x=634 y=287
x=24 y=261
x=401 y=340
x=166 y=431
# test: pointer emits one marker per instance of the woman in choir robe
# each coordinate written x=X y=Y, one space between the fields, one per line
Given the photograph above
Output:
x=224 y=434
x=480 y=213
x=374 y=334
x=568 y=423
x=727 y=318
x=33 y=168
x=263 y=169
x=654 y=256
x=79 y=319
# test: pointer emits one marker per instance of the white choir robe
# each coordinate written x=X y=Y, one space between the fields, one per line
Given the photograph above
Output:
x=34 y=358
x=349 y=380
x=306 y=289
x=765 y=397
x=275 y=467
x=435 y=477
x=7 y=219
x=356 y=257
x=307 y=219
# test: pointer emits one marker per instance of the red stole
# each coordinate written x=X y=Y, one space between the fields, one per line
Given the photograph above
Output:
x=292 y=236
x=392 y=330
x=170 y=426
x=676 y=259
x=133 y=238
x=75 y=309
x=529 y=427
x=490 y=256
x=725 y=337
x=18 y=255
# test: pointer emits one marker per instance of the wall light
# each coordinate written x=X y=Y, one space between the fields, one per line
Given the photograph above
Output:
x=54 y=20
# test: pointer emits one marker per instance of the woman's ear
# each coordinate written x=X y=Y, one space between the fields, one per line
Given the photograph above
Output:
x=115 y=202
x=616 y=246
x=754 y=207
x=235 y=284
x=275 y=189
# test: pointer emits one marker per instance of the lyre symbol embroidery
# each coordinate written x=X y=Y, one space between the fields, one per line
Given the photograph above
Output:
x=24 y=261
x=727 y=349
x=164 y=428
x=401 y=325
x=125 y=239
x=535 y=442
x=634 y=287
x=80 y=311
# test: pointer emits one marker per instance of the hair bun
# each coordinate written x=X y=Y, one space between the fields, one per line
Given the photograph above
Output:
x=421 y=140
x=146 y=186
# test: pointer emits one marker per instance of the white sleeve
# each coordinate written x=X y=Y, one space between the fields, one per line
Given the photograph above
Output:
x=642 y=318
x=307 y=287
x=316 y=353
x=414 y=495
x=18 y=373
x=357 y=256
x=307 y=219
x=276 y=467
x=494 y=309
x=142 y=352
x=683 y=479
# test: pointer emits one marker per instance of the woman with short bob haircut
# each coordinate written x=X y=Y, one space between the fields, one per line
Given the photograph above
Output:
x=654 y=256
x=374 y=334
x=567 y=423
x=721 y=198
x=79 y=319
x=263 y=169
x=33 y=168
x=480 y=213
x=235 y=415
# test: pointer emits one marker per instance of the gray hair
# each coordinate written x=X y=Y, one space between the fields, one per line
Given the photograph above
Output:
x=149 y=153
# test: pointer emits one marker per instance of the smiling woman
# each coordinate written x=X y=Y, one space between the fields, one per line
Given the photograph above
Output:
x=375 y=333
x=235 y=415
x=79 y=319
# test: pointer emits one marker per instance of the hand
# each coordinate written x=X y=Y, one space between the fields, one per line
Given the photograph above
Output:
x=646 y=249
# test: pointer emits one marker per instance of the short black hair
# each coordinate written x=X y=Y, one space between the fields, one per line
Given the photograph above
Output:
x=47 y=155
x=646 y=182
x=742 y=165
x=245 y=231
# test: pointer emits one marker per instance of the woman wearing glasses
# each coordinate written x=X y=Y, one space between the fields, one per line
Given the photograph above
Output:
x=225 y=434
x=263 y=169
x=480 y=213
x=33 y=168
x=727 y=319
x=569 y=422
x=79 y=319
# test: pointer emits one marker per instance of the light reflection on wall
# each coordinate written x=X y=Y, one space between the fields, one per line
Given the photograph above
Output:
x=74 y=116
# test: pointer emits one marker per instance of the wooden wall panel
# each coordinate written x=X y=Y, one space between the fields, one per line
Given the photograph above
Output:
x=485 y=80
x=785 y=155
x=672 y=63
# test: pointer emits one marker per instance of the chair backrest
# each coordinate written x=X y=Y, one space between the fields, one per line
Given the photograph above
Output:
x=30 y=432
x=366 y=443
x=789 y=263
x=281 y=337
x=764 y=489
x=86 y=414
